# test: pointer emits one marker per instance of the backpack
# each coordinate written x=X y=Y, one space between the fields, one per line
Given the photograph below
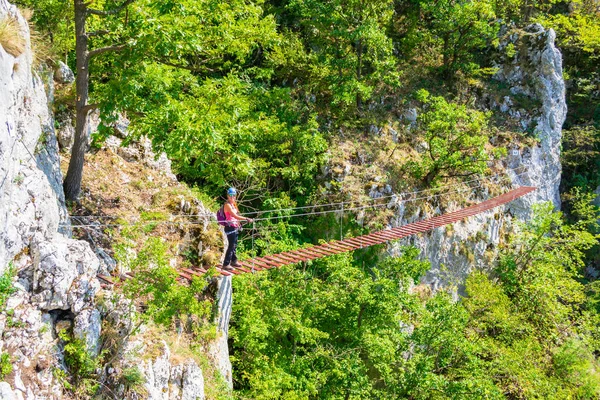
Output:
x=221 y=219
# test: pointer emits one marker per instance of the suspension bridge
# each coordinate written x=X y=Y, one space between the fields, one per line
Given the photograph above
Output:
x=353 y=243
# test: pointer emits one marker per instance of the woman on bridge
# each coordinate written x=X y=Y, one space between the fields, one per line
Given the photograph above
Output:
x=232 y=227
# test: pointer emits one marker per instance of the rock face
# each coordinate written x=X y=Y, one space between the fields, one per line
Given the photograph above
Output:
x=219 y=350
x=534 y=71
x=56 y=286
x=56 y=275
x=31 y=195
x=165 y=379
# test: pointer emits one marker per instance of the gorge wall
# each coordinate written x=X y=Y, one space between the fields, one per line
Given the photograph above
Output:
x=56 y=285
x=533 y=72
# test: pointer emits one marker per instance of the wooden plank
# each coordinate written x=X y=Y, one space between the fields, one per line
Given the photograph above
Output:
x=324 y=252
x=337 y=244
x=223 y=272
x=252 y=264
x=286 y=257
x=106 y=279
x=269 y=263
x=306 y=255
x=277 y=261
x=191 y=272
x=184 y=275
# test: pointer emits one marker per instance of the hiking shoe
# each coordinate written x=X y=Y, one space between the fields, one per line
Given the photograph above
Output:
x=227 y=267
x=236 y=264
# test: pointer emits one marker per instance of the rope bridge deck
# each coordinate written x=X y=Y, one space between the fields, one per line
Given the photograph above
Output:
x=358 y=242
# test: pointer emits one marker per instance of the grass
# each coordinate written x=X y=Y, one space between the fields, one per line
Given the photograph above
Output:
x=11 y=37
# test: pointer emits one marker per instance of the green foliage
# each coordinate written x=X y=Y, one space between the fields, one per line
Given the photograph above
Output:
x=539 y=313
x=578 y=32
x=165 y=298
x=334 y=330
x=581 y=156
x=456 y=137
x=321 y=325
x=53 y=19
x=349 y=56
x=445 y=360
x=6 y=366
x=456 y=29
x=6 y=284
x=81 y=364
x=133 y=379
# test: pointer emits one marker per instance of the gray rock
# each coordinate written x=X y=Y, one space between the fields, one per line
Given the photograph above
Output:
x=6 y=393
x=31 y=198
x=63 y=73
x=411 y=116
x=65 y=132
x=19 y=385
x=393 y=133
x=537 y=73
x=192 y=383
x=87 y=326
x=219 y=349
x=64 y=274
x=455 y=250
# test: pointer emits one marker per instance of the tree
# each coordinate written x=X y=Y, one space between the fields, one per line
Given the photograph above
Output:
x=349 y=57
x=456 y=29
x=72 y=182
x=455 y=137
x=199 y=84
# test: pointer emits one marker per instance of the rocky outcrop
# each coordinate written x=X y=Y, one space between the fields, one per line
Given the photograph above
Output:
x=63 y=73
x=56 y=274
x=534 y=72
x=165 y=378
x=219 y=349
x=56 y=287
x=31 y=195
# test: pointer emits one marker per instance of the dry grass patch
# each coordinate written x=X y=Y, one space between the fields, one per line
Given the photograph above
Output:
x=11 y=36
x=144 y=203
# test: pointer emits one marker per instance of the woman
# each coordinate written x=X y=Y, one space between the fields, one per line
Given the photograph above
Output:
x=233 y=218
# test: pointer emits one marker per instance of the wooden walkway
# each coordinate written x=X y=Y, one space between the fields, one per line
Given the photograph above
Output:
x=358 y=242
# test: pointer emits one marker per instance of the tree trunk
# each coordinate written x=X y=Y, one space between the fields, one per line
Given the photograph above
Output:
x=72 y=183
x=359 y=54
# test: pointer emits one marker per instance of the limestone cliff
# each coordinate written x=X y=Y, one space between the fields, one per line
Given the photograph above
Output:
x=534 y=71
x=56 y=284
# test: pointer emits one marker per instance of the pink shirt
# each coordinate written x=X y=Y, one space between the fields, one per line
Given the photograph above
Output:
x=233 y=222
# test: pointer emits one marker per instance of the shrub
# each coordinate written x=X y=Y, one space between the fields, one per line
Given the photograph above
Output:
x=81 y=364
x=155 y=283
x=5 y=365
x=6 y=285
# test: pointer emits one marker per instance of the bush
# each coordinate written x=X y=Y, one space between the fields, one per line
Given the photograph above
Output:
x=6 y=285
x=455 y=137
x=155 y=283
x=81 y=364
x=5 y=365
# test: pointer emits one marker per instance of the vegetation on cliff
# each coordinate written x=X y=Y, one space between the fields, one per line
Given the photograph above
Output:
x=265 y=94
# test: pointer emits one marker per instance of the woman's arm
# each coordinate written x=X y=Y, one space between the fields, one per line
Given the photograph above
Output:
x=231 y=210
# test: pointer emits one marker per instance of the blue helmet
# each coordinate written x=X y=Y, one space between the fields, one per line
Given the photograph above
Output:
x=231 y=191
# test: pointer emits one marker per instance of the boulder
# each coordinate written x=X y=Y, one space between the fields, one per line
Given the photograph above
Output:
x=63 y=74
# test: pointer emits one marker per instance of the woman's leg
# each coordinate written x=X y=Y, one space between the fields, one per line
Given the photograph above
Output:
x=234 y=255
x=231 y=247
